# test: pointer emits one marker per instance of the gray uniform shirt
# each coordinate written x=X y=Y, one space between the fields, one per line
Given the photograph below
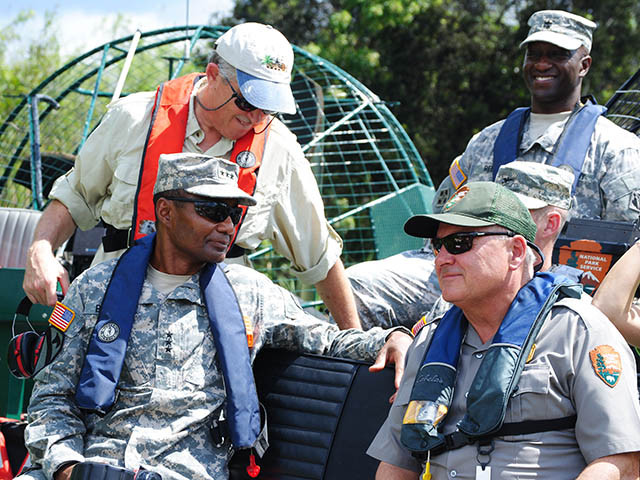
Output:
x=609 y=187
x=171 y=385
x=560 y=380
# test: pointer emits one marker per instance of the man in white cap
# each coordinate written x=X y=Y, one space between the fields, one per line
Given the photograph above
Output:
x=158 y=345
x=227 y=111
x=559 y=128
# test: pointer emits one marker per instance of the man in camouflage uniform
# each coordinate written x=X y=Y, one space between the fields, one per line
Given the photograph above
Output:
x=556 y=61
x=171 y=386
x=400 y=289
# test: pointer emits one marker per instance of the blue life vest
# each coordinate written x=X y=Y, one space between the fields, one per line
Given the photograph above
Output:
x=104 y=359
x=497 y=376
x=572 y=146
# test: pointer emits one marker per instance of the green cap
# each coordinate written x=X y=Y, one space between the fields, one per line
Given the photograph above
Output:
x=477 y=204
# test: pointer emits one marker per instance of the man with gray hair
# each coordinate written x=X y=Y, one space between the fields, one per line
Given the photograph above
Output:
x=517 y=379
x=228 y=111
x=400 y=289
x=559 y=128
x=158 y=347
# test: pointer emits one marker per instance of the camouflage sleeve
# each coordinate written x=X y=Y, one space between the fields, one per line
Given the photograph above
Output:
x=280 y=322
x=55 y=433
x=621 y=186
x=474 y=165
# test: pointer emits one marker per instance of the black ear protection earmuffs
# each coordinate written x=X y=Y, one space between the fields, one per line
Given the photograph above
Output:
x=30 y=352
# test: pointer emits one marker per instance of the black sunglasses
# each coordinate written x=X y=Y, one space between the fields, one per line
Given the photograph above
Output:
x=241 y=102
x=461 y=242
x=214 y=211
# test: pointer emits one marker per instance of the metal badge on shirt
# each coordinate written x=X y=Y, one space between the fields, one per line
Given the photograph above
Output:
x=246 y=159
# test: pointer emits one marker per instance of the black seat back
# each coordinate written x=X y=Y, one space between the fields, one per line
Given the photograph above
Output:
x=322 y=414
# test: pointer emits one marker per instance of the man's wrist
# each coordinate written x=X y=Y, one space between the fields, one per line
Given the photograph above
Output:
x=400 y=328
x=63 y=472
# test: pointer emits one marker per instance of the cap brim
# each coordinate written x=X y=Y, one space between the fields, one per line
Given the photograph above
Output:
x=265 y=94
x=426 y=226
x=558 y=39
x=223 y=191
x=530 y=202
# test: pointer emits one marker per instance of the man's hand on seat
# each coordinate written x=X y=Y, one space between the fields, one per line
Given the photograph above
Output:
x=393 y=351
x=42 y=273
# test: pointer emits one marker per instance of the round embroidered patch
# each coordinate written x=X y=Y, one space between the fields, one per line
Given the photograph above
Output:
x=109 y=332
x=246 y=159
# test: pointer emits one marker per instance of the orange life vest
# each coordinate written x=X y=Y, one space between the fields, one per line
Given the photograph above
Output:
x=166 y=135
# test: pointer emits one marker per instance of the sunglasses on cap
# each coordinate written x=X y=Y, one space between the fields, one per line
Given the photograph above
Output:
x=214 y=211
x=461 y=242
x=241 y=102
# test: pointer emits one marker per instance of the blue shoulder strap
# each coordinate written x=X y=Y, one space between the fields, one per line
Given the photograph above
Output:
x=229 y=335
x=105 y=356
x=572 y=146
x=576 y=140
x=505 y=148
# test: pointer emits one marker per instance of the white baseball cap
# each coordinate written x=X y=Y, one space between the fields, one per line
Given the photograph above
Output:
x=263 y=58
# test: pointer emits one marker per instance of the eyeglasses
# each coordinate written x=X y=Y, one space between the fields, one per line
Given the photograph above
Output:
x=241 y=102
x=461 y=242
x=214 y=211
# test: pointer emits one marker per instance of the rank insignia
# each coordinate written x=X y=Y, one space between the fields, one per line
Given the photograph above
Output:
x=607 y=364
x=456 y=174
x=61 y=317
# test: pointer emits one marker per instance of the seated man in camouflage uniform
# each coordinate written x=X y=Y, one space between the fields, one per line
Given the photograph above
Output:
x=157 y=342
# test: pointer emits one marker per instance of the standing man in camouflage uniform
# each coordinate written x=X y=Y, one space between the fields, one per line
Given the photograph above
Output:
x=555 y=64
x=148 y=399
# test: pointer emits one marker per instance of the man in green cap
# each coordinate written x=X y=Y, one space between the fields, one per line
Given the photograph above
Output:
x=515 y=374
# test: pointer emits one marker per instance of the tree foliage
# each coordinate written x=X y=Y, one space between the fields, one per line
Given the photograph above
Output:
x=450 y=67
x=24 y=63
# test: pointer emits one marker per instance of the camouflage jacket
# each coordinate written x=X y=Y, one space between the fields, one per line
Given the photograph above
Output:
x=171 y=385
x=608 y=189
x=396 y=290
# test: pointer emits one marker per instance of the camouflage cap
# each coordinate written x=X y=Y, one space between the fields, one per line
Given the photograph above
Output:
x=561 y=28
x=477 y=204
x=200 y=175
x=536 y=184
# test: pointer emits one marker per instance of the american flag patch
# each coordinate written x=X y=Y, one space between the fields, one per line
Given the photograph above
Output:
x=456 y=174
x=61 y=317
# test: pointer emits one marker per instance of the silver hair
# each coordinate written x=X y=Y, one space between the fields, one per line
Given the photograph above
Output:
x=539 y=213
x=225 y=67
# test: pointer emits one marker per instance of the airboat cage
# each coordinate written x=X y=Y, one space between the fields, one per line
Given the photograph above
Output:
x=367 y=168
x=623 y=107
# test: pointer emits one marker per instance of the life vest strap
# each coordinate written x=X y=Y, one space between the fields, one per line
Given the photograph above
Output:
x=457 y=439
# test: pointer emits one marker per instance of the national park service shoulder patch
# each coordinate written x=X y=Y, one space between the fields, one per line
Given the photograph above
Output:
x=607 y=364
